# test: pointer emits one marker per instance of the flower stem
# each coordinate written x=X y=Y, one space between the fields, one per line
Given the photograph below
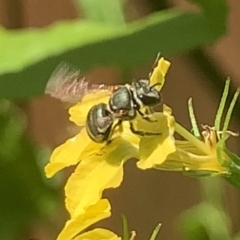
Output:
x=192 y=139
x=222 y=106
x=155 y=232
x=196 y=132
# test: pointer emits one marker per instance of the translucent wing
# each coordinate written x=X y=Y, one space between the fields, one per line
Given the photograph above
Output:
x=67 y=85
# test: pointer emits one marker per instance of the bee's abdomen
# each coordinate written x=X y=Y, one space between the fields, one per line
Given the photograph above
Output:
x=99 y=123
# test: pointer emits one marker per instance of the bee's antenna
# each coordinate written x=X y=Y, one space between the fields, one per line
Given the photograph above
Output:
x=155 y=63
x=154 y=85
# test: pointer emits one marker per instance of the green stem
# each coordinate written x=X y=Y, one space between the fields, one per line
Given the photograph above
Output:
x=155 y=232
x=192 y=139
x=221 y=106
x=125 y=228
x=229 y=112
x=193 y=119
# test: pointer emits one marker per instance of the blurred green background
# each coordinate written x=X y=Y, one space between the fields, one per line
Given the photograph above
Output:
x=118 y=41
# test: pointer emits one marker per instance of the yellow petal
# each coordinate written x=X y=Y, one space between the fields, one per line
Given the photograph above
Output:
x=176 y=161
x=187 y=159
x=158 y=125
x=155 y=149
x=98 y=234
x=128 y=136
x=96 y=173
x=92 y=215
x=86 y=184
x=188 y=147
x=71 y=152
x=78 y=113
x=159 y=72
x=181 y=158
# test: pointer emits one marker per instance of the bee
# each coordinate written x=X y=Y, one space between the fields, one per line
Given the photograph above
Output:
x=125 y=101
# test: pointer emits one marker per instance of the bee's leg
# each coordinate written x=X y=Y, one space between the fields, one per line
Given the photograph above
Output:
x=109 y=141
x=146 y=116
x=149 y=111
x=141 y=133
x=119 y=123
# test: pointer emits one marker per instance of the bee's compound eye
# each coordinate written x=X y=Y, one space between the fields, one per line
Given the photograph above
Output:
x=151 y=98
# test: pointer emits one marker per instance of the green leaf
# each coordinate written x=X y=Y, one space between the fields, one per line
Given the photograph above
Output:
x=216 y=12
x=237 y=237
x=234 y=169
x=28 y=57
x=25 y=196
x=205 y=221
x=106 y=11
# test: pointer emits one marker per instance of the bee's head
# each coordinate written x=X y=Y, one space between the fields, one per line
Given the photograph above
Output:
x=147 y=94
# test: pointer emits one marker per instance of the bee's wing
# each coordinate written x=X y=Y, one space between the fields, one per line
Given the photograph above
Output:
x=67 y=85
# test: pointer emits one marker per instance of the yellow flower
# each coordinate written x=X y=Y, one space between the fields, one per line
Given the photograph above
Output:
x=100 y=166
x=209 y=156
x=195 y=156
x=81 y=147
x=98 y=172
x=92 y=214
